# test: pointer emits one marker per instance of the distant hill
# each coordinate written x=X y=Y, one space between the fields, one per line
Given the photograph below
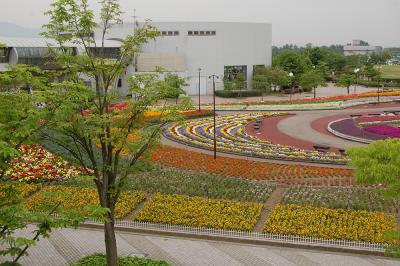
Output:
x=13 y=30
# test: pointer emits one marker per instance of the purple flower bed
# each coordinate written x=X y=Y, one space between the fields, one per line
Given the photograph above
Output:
x=377 y=118
x=385 y=130
x=347 y=127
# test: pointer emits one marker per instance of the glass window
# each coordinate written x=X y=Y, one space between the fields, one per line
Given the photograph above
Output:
x=176 y=33
x=190 y=32
x=201 y=32
x=213 y=32
x=195 y=33
x=4 y=55
x=231 y=72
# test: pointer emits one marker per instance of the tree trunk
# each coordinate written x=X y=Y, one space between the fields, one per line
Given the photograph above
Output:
x=111 y=243
x=348 y=90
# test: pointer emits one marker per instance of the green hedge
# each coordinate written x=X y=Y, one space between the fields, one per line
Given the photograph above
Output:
x=100 y=260
x=378 y=84
x=236 y=93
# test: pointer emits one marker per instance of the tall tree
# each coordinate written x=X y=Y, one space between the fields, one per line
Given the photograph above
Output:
x=346 y=80
x=87 y=124
x=311 y=80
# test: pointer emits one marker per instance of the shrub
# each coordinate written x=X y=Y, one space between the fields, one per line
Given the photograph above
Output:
x=237 y=93
x=98 y=259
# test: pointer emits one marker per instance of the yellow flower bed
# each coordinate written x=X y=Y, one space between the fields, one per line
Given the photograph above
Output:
x=330 y=223
x=24 y=189
x=73 y=198
x=200 y=212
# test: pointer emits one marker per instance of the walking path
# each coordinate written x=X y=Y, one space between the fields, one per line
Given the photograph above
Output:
x=274 y=199
x=68 y=245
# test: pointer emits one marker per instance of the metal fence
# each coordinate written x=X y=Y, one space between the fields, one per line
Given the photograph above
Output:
x=276 y=238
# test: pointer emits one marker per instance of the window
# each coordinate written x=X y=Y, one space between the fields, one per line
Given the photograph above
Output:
x=4 y=55
x=233 y=72
x=106 y=52
x=119 y=85
x=202 y=33
x=169 y=33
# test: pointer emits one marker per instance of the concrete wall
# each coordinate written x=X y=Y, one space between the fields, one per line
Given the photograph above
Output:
x=233 y=44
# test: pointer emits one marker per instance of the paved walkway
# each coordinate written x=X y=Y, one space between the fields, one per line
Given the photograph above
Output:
x=330 y=90
x=299 y=126
x=67 y=245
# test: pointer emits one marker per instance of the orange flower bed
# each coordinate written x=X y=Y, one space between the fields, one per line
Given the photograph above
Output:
x=283 y=173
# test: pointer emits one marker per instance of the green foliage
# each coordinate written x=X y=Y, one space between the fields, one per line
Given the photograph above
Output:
x=86 y=125
x=296 y=63
x=267 y=78
x=236 y=93
x=311 y=80
x=346 y=80
x=378 y=163
x=98 y=259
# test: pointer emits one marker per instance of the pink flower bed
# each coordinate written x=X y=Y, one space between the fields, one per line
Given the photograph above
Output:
x=363 y=119
x=384 y=130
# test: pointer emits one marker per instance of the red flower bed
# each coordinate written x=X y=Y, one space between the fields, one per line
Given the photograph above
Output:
x=36 y=164
x=363 y=119
x=284 y=173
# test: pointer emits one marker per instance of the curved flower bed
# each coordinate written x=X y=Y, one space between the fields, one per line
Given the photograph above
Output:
x=249 y=169
x=232 y=138
x=330 y=223
x=365 y=129
x=37 y=164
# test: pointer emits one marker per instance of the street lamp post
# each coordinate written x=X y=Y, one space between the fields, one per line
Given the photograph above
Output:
x=291 y=85
x=215 y=128
x=356 y=72
x=199 y=69
x=383 y=86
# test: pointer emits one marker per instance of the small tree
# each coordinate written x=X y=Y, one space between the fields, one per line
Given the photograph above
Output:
x=378 y=163
x=346 y=80
x=311 y=80
x=269 y=78
x=87 y=127
x=176 y=83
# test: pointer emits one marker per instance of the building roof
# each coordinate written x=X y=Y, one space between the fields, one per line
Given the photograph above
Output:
x=44 y=43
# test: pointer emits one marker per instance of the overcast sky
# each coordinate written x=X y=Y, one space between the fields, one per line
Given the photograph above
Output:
x=320 y=22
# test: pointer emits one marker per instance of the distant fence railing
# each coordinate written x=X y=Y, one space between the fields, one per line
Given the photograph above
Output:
x=277 y=238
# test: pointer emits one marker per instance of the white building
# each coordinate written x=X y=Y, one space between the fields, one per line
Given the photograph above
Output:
x=220 y=48
x=357 y=48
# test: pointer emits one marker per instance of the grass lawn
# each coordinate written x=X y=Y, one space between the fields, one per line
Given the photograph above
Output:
x=390 y=72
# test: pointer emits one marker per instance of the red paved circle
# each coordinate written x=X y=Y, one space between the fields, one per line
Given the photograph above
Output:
x=269 y=131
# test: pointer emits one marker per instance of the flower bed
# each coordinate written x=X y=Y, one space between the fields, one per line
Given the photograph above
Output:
x=285 y=173
x=22 y=190
x=330 y=223
x=200 y=212
x=175 y=181
x=357 y=198
x=317 y=100
x=380 y=118
x=385 y=130
x=346 y=128
x=232 y=138
x=78 y=199
x=36 y=164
